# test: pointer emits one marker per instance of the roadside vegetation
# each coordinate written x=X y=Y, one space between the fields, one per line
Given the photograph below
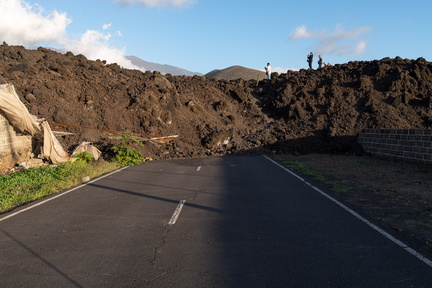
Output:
x=297 y=167
x=25 y=186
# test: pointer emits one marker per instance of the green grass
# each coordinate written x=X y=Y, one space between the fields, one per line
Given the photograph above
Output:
x=414 y=223
x=297 y=167
x=28 y=185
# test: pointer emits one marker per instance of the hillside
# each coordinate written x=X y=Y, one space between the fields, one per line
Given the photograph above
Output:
x=306 y=111
x=162 y=68
x=236 y=72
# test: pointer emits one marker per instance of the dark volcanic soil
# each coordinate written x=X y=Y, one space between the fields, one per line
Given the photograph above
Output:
x=395 y=195
x=309 y=111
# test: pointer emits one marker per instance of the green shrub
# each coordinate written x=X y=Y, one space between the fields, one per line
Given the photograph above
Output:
x=84 y=156
x=125 y=153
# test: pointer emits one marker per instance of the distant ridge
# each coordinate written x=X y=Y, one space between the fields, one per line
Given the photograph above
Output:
x=236 y=72
x=162 y=68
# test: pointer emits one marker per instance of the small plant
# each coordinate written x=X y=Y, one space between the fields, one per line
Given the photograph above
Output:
x=84 y=156
x=125 y=153
x=335 y=185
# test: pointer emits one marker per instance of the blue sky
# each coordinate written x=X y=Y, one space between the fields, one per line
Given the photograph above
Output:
x=202 y=35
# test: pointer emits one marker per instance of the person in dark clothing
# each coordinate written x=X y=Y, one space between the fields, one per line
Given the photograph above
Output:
x=268 y=73
x=320 y=62
x=310 y=59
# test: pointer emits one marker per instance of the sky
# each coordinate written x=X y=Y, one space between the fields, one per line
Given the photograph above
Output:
x=203 y=35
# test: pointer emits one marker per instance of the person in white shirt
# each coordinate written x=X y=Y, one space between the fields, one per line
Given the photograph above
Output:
x=268 y=71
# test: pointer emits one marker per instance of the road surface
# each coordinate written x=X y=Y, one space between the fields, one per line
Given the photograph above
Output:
x=213 y=222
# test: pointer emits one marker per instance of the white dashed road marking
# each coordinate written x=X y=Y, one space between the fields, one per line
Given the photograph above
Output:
x=176 y=214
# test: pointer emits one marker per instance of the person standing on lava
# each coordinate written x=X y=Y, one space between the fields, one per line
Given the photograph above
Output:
x=310 y=59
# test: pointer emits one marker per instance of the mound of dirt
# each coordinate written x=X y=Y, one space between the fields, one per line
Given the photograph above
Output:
x=327 y=108
x=237 y=72
x=309 y=111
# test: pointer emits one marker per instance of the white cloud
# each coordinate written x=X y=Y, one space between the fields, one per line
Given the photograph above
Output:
x=300 y=33
x=30 y=26
x=340 y=42
x=158 y=3
x=96 y=45
x=360 y=48
x=22 y=24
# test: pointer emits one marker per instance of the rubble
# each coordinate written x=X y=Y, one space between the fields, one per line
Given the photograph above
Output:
x=306 y=111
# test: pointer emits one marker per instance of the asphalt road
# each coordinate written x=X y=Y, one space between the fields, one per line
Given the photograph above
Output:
x=213 y=222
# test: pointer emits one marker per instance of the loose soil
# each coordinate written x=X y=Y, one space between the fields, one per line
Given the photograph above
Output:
x=310 y=116
x=394 y=195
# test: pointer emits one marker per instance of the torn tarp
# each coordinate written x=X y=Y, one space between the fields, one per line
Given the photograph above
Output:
x=15 y=111
x=20 y=118
x=52 y=149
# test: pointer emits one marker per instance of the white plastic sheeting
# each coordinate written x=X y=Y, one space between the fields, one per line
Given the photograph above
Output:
x=15 y=111
x=20 y=118
x=52 y=149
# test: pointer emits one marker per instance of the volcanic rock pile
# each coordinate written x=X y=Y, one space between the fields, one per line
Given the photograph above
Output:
x=306 y=111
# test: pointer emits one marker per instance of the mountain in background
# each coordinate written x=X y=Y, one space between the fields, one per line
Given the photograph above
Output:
x=236 y=72
x=162 y=68
x=230 y=73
